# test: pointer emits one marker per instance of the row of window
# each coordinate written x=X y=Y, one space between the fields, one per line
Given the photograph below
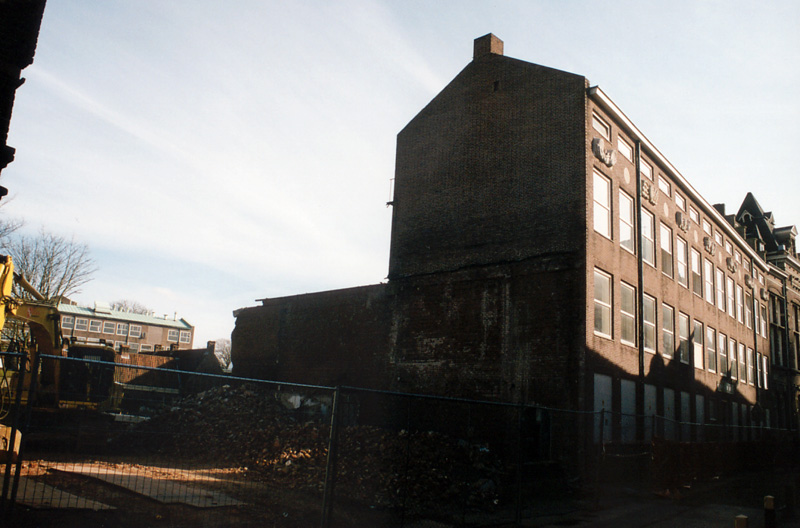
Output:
x=711 y=350
x=117 y=345
x=693 y=271
x=81 y=324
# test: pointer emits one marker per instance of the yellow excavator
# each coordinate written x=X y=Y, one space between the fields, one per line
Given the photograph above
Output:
x=31 y=332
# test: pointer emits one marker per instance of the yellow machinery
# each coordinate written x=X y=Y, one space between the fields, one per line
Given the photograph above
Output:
x=58 y=383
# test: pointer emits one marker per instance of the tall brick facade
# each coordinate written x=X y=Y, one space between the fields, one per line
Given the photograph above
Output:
x=543 y=251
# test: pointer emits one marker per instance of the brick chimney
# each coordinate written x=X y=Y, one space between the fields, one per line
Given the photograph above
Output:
x=487 y=44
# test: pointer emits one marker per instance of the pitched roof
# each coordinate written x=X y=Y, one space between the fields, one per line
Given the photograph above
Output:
x=128 y=317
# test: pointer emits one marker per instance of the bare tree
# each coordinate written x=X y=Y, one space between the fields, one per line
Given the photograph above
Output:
x=8 y=225
x=223 y=353
x=128 y=305
x=54 y=265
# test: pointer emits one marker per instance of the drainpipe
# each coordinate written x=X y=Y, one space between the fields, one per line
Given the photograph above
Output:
x=639 y=298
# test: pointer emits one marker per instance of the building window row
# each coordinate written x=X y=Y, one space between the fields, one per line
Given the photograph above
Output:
x=697 y=344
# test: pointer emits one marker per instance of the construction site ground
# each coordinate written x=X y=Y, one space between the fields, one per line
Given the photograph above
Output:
x=104 y=494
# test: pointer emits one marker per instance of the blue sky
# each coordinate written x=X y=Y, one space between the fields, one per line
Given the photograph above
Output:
x=212 y=153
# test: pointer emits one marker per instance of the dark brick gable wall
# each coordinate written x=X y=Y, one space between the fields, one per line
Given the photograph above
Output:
x=492 y=170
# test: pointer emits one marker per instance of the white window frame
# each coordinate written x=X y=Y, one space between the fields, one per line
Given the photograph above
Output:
x=706 y=226
x=145 y=348
x=730 y=292
x=764 y=369
x=711 y=349
x=648 y=237
x=708 y=281
x=646 y=169
x=122 y=329
x=627 y=313
x=742 y=363
x=95 y=326
x=67 y=322
x=694 y=215
x=722 y=352
x=601 y=126
x=602 y=305
x=739 y=303
x=667 y=330
x=720 y=286
x=185 y=337
x=729 y=247
x=664 y=185
x=682 y=258
x=602 y=211
x=625 y=148
x=698 y=345
x=81 y=324
x=684 y=337
x=733 y=359
x=649 y=323
x=718 y=238
x=680 y=201
x=751 y=372
x=696 y=262
x=172 y=335
x=665 y=241
x=109 y=327
x=135 y=331
x=627 y=231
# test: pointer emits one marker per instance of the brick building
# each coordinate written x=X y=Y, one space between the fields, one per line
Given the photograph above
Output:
x=125 y=331
x=544 y=251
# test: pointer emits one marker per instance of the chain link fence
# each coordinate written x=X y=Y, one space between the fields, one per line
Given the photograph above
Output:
x=137 y=442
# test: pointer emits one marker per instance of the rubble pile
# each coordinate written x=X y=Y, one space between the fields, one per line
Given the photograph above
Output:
x=250 y=428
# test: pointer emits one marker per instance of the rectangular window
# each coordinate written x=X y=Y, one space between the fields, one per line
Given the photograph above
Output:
x=682 y=258
x=602 y=303
x=680 y=201
x=667 y=330
x=718 y=238
x=694 y=215
x=720 y=284
x=722 y=347
x=697 y=274
x=94 y=326
x=664 y=185
x=751 y=367
x=601 y=126
x=172 y=336
x=711 y=349
x=625 y=149
x=730 y=291
x=737 y=256
x=742 y=364
x=602 y=205
x=748 y=310
x=626 y=222
x=734 y=362
x=666 y=251
x=146 y=348
x=728 y=247
x=67 y=322
x=683 y=335
x=646 y=169
x=136 y=331
x=122 y=329
x=81 y=324
x=134 y=347
x=764 y=370
x=648 y=238
x=759 y=375
x=185 y=336
x=109 y=327
x=697 y=342
x=649 y=327
x=707 y=226
x=708 y=276
x=628 y=314
x=763 y=321
x=739 y=303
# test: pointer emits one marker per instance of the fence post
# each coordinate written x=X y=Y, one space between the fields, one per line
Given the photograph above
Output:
x=330 y=469
x=769 y=512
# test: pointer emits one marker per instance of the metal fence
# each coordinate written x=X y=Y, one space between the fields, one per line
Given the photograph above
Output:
x=156 y=446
